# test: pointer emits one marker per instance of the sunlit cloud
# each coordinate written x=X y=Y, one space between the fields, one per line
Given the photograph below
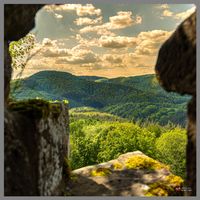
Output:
x=120 y=21
x=123 y=19
x=117 y=42
x=184 y=15
x=87 y=21
x=79 y=55
x=113 y=58
x=81 y=10
x=96 y=40
x=144 y=50
x=166 y=12
x=56 y=52
x=149 y=42
x=58 y=16
x=99 y=30
x=164 y=6
x=48 y=42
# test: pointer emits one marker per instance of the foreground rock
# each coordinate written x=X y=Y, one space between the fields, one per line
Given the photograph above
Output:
x=19 y=20
x=36 y=141
x=36 y=132
x=176 y=71
x=131 y=174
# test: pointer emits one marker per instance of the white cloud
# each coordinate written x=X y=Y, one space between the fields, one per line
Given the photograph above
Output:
x=158 y=35
x=164 y=6
x=117 y=42
x=89 y=9
x=89 y=57
x=48 y=42
x=99 y=30
x=184 y=15
x=144 y=49
x=81 y=10
x=166 y=12
x=87 y=21
x=79 y=54
x=113 y=58
x=52 y=52
x=92 y=42
x=149 y=42
x=122 y=20
x=106 y=50
x=58 y=16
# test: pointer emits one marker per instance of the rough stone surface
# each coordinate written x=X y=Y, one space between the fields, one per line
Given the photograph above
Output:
x=36 y=134
x=36 y=140
x=7 y=71
x=121 y=180
x=19 y=19
x=176 y=71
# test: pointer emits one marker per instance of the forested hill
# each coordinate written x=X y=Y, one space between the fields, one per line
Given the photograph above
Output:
x=135 y=98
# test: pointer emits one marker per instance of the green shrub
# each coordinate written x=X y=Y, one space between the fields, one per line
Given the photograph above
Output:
x=171 y=149
x=93 y=143
x=95 y=140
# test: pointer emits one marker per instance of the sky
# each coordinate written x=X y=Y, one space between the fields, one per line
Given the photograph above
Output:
x=102 y=39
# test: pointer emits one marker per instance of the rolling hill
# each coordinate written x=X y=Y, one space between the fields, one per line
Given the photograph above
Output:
x=134 y=98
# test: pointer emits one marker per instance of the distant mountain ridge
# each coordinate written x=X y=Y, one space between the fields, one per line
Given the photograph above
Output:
x=139 y=97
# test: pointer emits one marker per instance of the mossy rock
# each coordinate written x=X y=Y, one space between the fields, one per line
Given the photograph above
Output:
x=159 y=189
x=166 y=187
x=144 y=162
x=131 y=174
x=36 y=108
x=117 y=166
x=173 y=180
x=101 y=172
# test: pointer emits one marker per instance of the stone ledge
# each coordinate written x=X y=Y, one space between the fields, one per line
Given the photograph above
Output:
x=36 y=145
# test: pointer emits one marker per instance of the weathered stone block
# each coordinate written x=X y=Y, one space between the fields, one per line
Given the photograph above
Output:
x=36 y=145
x=176 y=71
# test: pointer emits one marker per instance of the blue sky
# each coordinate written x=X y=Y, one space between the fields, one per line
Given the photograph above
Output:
x=103 y=39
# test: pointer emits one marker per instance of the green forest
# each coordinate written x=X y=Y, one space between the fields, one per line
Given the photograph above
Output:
x=137 y=98
x=98 y=137
x=109 y=117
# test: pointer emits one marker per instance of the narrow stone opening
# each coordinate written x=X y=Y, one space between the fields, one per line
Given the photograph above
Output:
x=124 y=127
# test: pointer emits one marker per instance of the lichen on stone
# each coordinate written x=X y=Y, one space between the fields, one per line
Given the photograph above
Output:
x=101 y=172
x=158 y=189
x=143 y=162
x=174 y=180
x=166 y=187
x=117 y=166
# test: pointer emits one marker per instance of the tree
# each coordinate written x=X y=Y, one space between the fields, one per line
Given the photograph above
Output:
x=20 y=51
x=171 y=149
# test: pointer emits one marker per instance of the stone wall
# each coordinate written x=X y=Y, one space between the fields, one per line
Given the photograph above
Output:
x=33 y=155
x=176 y=71
x=36 y=141
x=36 y=132
x=19 y=20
